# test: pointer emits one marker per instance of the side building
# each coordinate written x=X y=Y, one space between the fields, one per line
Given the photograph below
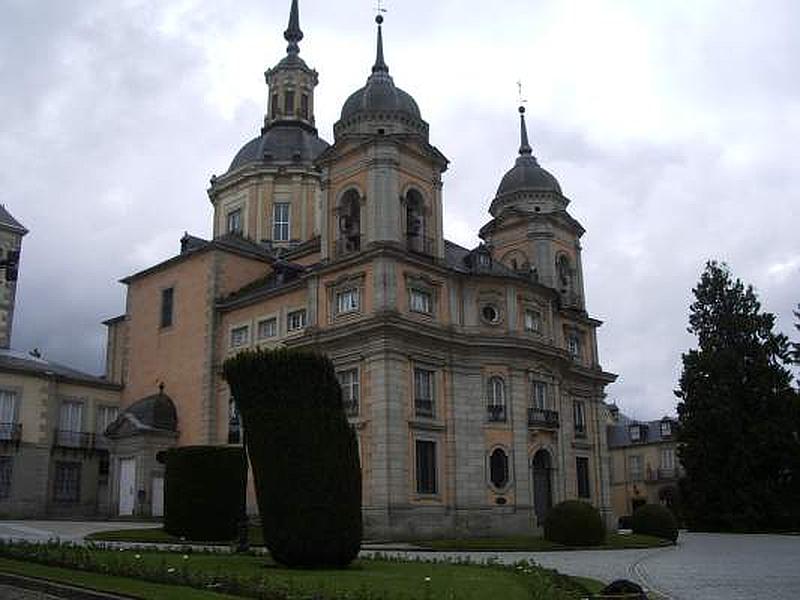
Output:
x=644 y=465
x=471 y=375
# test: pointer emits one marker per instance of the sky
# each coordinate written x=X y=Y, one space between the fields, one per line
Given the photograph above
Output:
x=673 y=128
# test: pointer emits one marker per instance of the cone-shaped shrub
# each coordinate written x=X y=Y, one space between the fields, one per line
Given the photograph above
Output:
x=657 y=520
x=574 y=523
x=204 y=492
x=303 y=453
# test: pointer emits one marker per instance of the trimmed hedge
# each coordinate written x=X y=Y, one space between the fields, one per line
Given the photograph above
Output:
x=203 y=492
x=303 y=454
x=574 y=523
x=656 y=520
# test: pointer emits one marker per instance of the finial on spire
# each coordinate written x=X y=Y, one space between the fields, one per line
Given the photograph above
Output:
x=380 y=65
x=293 y=34
x=524 y=146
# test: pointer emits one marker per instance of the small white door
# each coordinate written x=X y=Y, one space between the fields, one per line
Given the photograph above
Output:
x=127 y=486
x=157 y=496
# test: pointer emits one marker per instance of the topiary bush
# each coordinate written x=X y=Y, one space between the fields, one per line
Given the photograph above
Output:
x=574 y=523
x=656 y=520
x=303 y=453
x=203 y=492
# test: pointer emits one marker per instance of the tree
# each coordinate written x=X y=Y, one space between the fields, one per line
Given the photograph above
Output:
x=304 y=455
x=737 y=411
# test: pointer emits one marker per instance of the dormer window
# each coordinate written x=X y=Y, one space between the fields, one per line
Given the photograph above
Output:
x=574 y=345
x=666 y=429
x=484 y=259
x=637 y=433
x=234 y=221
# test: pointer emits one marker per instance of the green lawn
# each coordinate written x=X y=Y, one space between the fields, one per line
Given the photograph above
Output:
x=614 y=541
x=365 y=579
x=156 y=535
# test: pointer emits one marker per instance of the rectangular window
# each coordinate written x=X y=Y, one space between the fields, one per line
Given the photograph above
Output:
x=666 y=428
x=8 y=408
x=280 y=222
x=574 y=345
x=582 y=471
x=667 y=459
x=296 y=320
x=635 y=432
x=423 y=393
x=533 y=320
x=167 y=301
x=235 y=221
x=6 y=466
x=426 y=467
x=67 y=484
x=350 y=389
x=635 y=467
x=70 y=423
x=579 y=414
x=539 y=394
x=347 y=301
x=267 y=328
x=288 y=104
x=105 y=416
x=420 y=301
x=274 y=106
x=304 y=106
x=240 y=336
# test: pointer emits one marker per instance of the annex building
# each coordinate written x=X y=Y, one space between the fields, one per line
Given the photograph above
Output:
x=471 y=375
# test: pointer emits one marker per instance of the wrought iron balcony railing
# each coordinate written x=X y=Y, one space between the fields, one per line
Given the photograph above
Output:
x=423 y=407
x=79 y=440
x=543 y=418
x=10 y=432
x=496 y=412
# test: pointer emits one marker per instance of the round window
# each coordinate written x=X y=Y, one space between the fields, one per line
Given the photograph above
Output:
x=490 y=313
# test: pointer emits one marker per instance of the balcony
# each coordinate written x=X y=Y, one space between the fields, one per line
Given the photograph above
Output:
x=496 y=413
x=419 y=244
x=661 y=474
x=79 y=440
x=10 y=433
x=423 y=407
x=349 y=245
x=350 y=408
x=540 y=418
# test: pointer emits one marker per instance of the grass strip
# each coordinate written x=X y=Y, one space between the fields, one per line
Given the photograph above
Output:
x=536 y=544
x=109 y=583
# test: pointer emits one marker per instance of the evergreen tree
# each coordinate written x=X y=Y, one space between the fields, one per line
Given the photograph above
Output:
x=738 y=432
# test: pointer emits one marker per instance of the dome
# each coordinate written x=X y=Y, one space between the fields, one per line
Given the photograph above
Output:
x=527 y=175
x=156 y=411
x=380 y=95
x=282 y=142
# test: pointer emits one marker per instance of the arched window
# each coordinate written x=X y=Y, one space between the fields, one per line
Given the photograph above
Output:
x=415 y=223
x=496 y=395
x=498 y=468
x=564 y=270
x=349 y=223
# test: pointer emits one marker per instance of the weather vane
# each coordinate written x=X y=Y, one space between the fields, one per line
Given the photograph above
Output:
x=519 y=93
x=379 y=8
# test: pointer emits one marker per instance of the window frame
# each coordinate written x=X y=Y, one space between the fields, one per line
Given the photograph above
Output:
x=496 y=405
x=506 y=483
x=583 y=480
x=539 y=401
x=426 y=471
x=64 y=492
x=422 y=375
x=303 y=321
x=350 y=382
x=424 y=296
x=234 y=215
x=347 y=300
x=6 y=476
x=167 y=313
x=263 y=321
x=9 y=398
x=233 y=342
x=104 y=408
x=536 y=320
x=636 y=474
x=579 y=418
x=281 y=224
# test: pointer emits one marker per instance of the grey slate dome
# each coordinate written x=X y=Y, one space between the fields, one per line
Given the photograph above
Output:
x=380 y=94
x=526 y=174
x=281 y=143
x=156 y=411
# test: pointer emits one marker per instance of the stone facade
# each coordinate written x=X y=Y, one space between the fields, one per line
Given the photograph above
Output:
x=11 y=234
x=643 y=464
x=470 y=375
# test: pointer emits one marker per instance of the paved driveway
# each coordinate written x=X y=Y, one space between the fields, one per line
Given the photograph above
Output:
x=68 y=531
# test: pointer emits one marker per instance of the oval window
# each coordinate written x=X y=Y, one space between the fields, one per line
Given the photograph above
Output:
x=498 y=467
x=490 y=313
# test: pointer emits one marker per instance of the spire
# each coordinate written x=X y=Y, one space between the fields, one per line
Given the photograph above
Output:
x=524 y=147
x=380 y=65
x=293 y=33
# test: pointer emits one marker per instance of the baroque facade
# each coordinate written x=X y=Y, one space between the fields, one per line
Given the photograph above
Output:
x=470 y=375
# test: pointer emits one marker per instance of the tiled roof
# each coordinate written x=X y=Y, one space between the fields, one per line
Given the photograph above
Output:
x=619 y=434
x=6 y=220
x=20 y=362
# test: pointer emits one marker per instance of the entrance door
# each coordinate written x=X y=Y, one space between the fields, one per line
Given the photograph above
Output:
x=157 y=497
x=127 y=486
x=542 y=485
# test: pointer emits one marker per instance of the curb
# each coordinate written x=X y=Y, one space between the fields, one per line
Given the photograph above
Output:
x=59 y=590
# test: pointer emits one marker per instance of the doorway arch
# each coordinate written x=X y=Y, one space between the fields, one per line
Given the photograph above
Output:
x=542 y=467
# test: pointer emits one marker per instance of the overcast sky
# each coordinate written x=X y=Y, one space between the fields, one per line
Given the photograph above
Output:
x=672 y=126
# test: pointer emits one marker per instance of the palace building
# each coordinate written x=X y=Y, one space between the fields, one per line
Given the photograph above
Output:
x=471 y=375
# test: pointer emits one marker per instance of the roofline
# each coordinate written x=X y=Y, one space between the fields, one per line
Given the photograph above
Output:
x=114 y=320
x=90 y=380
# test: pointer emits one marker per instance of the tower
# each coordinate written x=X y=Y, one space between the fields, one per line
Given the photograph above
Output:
x=271 y=190
x=11 y=234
